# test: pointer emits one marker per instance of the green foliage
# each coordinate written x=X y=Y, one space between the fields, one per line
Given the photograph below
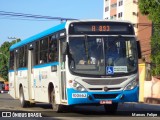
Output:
x=155 y=56
x=152 y=9
x=144 y=6
x=4 y=54
x=4 y=58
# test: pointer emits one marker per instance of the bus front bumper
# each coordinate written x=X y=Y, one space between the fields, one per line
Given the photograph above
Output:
x=76 y=97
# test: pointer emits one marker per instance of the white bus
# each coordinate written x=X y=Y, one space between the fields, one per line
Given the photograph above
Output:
x=76 y=63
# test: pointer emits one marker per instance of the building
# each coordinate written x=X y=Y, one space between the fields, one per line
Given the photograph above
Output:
x=128 y=10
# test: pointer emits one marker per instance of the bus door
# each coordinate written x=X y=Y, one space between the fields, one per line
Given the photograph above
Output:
x=62 y=76
x=15 y=82
x=30 y=72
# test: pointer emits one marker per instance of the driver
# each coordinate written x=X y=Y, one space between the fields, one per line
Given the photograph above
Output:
x=112 y=53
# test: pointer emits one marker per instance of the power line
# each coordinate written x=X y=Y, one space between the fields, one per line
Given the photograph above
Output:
x=147 y=45
x=31 y=16
x=148 y=54
x=144 y=39
x=13 y=14
x=146 y=50
x=142 y=29
x=144 y=24
x=147 y=41
x=28 y=19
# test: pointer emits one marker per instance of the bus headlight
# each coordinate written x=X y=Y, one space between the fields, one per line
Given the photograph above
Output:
x=77 y=86
x=131 y=85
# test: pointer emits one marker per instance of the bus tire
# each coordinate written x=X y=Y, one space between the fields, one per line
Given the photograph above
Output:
x=23 y=102
x=111 y=108
x=55 y=107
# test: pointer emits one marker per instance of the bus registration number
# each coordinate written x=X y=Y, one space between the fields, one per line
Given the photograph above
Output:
x=106 y=102
x=79 y=95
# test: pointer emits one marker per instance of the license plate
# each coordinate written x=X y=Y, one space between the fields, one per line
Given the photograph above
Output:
x=106 y=102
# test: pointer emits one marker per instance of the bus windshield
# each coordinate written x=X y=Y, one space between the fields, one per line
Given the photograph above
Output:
x=111 y=55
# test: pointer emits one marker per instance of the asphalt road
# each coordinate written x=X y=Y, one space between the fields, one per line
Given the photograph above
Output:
x=11 y=107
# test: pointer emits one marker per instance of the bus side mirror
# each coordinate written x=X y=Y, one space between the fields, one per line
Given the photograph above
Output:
x=139 y=49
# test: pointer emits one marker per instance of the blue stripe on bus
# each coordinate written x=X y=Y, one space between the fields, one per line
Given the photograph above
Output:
x=77 y=97
x=38 y=66
x=46 y=65
x=11 y=70
x=38 y=36
x=24 y=68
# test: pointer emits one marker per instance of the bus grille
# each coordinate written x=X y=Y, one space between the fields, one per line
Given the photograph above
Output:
x=105 y=96
x=109 y=89
x=104 y=82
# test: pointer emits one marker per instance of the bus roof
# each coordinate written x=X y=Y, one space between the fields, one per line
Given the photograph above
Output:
x=38 y=36
x=55 y=29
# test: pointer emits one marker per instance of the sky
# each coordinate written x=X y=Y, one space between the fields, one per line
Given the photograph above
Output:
x=15 y=27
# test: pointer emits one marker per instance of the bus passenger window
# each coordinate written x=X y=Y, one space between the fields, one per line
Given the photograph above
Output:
x=43 y=50
x=52 y=51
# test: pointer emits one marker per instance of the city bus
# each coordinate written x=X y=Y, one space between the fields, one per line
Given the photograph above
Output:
x=73 y=63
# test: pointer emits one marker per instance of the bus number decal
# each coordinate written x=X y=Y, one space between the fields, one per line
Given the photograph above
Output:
x=100 y=28
x=79 y=95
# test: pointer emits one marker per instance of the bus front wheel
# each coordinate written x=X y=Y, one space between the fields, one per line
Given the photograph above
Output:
x=55 y=107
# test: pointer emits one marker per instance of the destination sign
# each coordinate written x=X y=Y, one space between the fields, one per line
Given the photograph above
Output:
x=101 y=28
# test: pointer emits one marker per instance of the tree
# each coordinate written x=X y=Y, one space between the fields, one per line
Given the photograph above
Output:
x=151 y=8
x=4 y=54
x=4 y=58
